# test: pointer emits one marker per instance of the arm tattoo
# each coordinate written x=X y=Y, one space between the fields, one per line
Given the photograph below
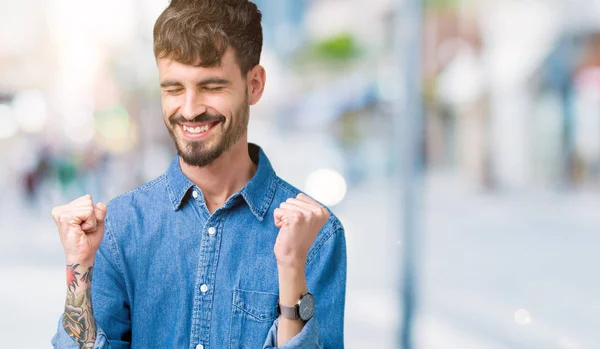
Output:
x=78 y=319
x=87 y=276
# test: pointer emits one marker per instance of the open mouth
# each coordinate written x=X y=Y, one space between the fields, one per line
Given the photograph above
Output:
x=198 y=130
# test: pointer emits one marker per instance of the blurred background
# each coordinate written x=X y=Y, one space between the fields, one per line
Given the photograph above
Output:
x=504 y=245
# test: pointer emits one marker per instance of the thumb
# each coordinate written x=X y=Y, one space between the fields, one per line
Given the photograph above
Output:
x=100 y=212
x=279 y=224
x=279 y=217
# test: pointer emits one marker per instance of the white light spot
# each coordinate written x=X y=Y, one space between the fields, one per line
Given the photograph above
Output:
x=326 y=186
x=30 y=110
x=8 y=125
x=522 y=317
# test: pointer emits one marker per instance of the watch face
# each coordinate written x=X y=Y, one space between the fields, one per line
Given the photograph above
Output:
x=306 y=307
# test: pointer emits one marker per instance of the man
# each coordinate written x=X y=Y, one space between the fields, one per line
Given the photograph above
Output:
x=218 y=252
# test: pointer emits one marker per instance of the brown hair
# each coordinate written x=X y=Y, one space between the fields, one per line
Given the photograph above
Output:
x=199 y=31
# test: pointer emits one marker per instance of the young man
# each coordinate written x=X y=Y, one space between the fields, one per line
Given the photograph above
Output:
x=218 y=252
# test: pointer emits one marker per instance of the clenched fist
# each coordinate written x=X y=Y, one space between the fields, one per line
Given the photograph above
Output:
x=299 y=219
x=81 y=227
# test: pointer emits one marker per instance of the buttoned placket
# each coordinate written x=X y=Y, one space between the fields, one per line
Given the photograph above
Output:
x=205 y=280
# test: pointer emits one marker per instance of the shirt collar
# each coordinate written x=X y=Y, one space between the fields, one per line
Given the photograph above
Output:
x=258 y=192
x=178 y=184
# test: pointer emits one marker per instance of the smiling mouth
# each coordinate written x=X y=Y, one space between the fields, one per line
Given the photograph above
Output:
x=196 y=131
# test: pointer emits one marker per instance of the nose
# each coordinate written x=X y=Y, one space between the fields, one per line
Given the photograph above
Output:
x=193 y=105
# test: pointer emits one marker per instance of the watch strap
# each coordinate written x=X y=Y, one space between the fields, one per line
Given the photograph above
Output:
x=292 y=313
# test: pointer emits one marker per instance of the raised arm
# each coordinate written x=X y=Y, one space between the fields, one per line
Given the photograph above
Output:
x=81 y=228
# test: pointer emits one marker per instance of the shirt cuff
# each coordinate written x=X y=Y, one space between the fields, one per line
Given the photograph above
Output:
x=62 y=340
x=308 y=338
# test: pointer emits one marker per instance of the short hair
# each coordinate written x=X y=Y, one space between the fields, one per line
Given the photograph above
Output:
x=198 y=32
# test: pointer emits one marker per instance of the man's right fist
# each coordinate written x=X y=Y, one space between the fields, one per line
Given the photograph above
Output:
x=81 y=227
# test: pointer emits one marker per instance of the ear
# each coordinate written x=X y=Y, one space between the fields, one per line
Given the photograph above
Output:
x=256 y=80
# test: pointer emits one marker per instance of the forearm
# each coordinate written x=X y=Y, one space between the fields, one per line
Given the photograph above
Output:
x=78 y=319
x=292 y=284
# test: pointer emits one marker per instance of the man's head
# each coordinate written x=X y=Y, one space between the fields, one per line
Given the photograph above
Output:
x=208 y=54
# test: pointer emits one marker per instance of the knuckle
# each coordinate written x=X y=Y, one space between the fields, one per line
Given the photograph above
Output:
x=63 y=217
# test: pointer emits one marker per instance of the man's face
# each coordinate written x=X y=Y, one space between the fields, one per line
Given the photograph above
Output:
x=206 y=110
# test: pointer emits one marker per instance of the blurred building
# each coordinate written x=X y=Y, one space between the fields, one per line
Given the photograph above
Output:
x=511 y=106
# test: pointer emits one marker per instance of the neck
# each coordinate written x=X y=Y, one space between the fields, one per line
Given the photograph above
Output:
x=223 y=177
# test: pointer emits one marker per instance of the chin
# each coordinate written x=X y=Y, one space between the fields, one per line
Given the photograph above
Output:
x=193 y=156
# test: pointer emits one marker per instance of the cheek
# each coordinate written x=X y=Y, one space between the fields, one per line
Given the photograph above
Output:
x=229 y=105
x=169 y=106
x=223 y=104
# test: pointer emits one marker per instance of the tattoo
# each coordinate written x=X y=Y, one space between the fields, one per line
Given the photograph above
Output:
x=87 y=277
x=72 y=276
x=78 y=319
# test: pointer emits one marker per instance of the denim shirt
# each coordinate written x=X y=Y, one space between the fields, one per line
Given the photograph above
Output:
x=169 y=274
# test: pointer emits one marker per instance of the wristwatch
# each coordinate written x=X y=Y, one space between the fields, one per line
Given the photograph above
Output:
x=304 y=309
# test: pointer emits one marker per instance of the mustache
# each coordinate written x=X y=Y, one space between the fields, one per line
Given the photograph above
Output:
x=202 y=118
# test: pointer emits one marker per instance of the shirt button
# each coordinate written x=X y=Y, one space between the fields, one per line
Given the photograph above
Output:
x=195 y=194
x=212 y=230
x=204 y=288
x=199 y=346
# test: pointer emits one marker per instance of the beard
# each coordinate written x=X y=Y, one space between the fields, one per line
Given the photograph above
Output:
x=203 y=152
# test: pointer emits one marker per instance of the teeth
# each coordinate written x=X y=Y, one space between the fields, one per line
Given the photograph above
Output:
x=198 y=129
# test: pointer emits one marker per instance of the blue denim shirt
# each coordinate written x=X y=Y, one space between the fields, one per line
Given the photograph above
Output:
x=169 y=274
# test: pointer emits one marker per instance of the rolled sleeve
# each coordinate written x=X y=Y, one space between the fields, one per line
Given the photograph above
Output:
x=62 y=340
x=308 y=338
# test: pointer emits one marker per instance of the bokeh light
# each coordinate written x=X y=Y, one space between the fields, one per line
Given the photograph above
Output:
x=522 y=317
x=30 y=111
x=327 y=186
x=8 y=125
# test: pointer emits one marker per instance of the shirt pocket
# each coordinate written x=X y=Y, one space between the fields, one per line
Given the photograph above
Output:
x=253 y=313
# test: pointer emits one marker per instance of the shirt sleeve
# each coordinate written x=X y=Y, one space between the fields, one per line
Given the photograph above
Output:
x=61 y=339
x=326 y=280
x=109 y=301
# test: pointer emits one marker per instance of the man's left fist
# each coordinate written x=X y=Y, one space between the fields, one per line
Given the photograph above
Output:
x=299 y=221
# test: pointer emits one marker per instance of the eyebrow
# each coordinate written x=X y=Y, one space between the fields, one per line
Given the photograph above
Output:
x=207 y=81
x=170 y=83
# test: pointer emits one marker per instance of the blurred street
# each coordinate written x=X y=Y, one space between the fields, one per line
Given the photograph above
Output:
x=508 y=96
x=485 y=257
